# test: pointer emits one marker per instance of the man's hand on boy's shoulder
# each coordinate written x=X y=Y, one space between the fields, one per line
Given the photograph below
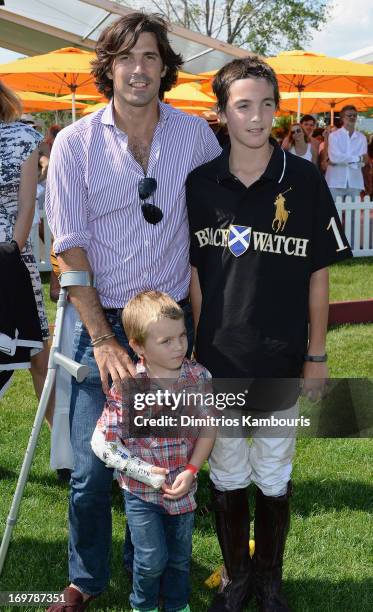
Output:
x=315 y=378
x=180 y=486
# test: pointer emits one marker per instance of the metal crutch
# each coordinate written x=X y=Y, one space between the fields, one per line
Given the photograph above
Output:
x=75 y=369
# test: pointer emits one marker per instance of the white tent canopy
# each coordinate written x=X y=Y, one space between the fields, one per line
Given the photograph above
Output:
x=33 y=27
x=364 y=56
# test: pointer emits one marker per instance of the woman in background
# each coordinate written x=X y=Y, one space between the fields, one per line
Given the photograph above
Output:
x=18 y=180
x=299 y=144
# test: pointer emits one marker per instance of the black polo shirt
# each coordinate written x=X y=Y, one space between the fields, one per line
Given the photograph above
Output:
x=255 y=249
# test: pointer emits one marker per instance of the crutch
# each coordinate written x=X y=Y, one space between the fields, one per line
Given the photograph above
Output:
x=56 y=359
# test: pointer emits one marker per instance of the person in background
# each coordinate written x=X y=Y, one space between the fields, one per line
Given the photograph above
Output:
x=18 y=179
x=308 y=123
x=323 y=147
x=50 y=136
x=299 y=143
x=347 y=154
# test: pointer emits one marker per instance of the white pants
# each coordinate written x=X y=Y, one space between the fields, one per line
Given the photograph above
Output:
x=267 y=462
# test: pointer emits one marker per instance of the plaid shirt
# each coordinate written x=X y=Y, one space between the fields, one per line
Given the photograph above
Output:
x=173 y=453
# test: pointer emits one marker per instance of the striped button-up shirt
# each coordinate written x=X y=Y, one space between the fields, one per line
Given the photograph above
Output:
x=92 y=201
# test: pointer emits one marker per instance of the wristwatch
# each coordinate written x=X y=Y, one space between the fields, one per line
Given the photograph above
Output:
x=316 y=358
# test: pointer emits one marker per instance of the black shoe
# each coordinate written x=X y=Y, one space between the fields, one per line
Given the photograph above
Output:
x=235 y=596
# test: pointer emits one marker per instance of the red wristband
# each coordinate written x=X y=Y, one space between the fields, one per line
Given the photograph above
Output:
x=192 y=468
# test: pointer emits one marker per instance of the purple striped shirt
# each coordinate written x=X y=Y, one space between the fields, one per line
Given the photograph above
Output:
x=92 y=201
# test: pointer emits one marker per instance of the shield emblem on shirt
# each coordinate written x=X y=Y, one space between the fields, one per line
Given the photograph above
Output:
x=239 y=239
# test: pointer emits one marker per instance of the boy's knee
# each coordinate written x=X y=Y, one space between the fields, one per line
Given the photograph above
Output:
x=274 y=490
x=154 y=569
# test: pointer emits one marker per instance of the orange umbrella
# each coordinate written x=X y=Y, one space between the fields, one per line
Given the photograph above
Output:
x=66 y=70
x=301 y=70
x=188 y=77
x=323 y=101
x=189 y=94
x=35 y=102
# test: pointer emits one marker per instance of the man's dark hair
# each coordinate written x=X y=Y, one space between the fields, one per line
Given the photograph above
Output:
x=251 y=67
x=348 y=107
x=128 y=29
x=307 y=118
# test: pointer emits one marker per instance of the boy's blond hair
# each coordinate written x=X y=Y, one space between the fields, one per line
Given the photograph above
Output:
x=145 y=308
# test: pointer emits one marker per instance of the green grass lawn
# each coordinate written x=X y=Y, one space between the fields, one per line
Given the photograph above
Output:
x=328 y=562
x=352 y=279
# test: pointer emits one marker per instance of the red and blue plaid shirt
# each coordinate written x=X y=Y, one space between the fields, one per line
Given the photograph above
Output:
x=173 y=453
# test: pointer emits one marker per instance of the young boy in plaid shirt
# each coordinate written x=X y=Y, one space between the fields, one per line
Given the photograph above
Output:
x=160 y=521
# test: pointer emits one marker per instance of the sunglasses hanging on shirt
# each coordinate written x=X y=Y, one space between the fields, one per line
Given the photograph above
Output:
x=151 y=213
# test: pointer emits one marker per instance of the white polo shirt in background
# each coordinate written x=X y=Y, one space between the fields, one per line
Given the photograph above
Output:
x=345 y=151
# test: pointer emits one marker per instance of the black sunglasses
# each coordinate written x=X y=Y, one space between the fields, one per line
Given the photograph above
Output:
x=151 y=213
x=297 y=131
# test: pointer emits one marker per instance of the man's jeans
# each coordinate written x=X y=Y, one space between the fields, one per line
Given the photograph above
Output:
x=163 y=549
x=91 y=481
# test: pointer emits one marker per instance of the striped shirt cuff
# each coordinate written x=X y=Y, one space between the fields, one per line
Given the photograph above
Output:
x=70 y=241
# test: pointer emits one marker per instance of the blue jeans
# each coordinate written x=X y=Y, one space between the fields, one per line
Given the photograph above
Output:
x=162 y=552
x=91 y=481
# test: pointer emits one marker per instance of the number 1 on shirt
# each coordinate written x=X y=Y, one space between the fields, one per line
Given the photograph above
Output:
x=338 y=237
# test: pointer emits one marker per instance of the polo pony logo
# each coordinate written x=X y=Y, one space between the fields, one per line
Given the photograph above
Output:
x=281 y=214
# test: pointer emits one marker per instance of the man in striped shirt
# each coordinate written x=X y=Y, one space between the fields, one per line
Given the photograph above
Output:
x=116 y=206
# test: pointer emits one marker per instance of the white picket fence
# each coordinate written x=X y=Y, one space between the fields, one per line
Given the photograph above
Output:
x=356 y=217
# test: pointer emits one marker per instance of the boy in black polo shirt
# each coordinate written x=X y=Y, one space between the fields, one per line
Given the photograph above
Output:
x=264 y=228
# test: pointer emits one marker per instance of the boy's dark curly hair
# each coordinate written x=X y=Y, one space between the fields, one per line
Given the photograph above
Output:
x=128 y=29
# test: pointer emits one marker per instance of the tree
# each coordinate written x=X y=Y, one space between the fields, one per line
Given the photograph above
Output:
x=262 y=26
